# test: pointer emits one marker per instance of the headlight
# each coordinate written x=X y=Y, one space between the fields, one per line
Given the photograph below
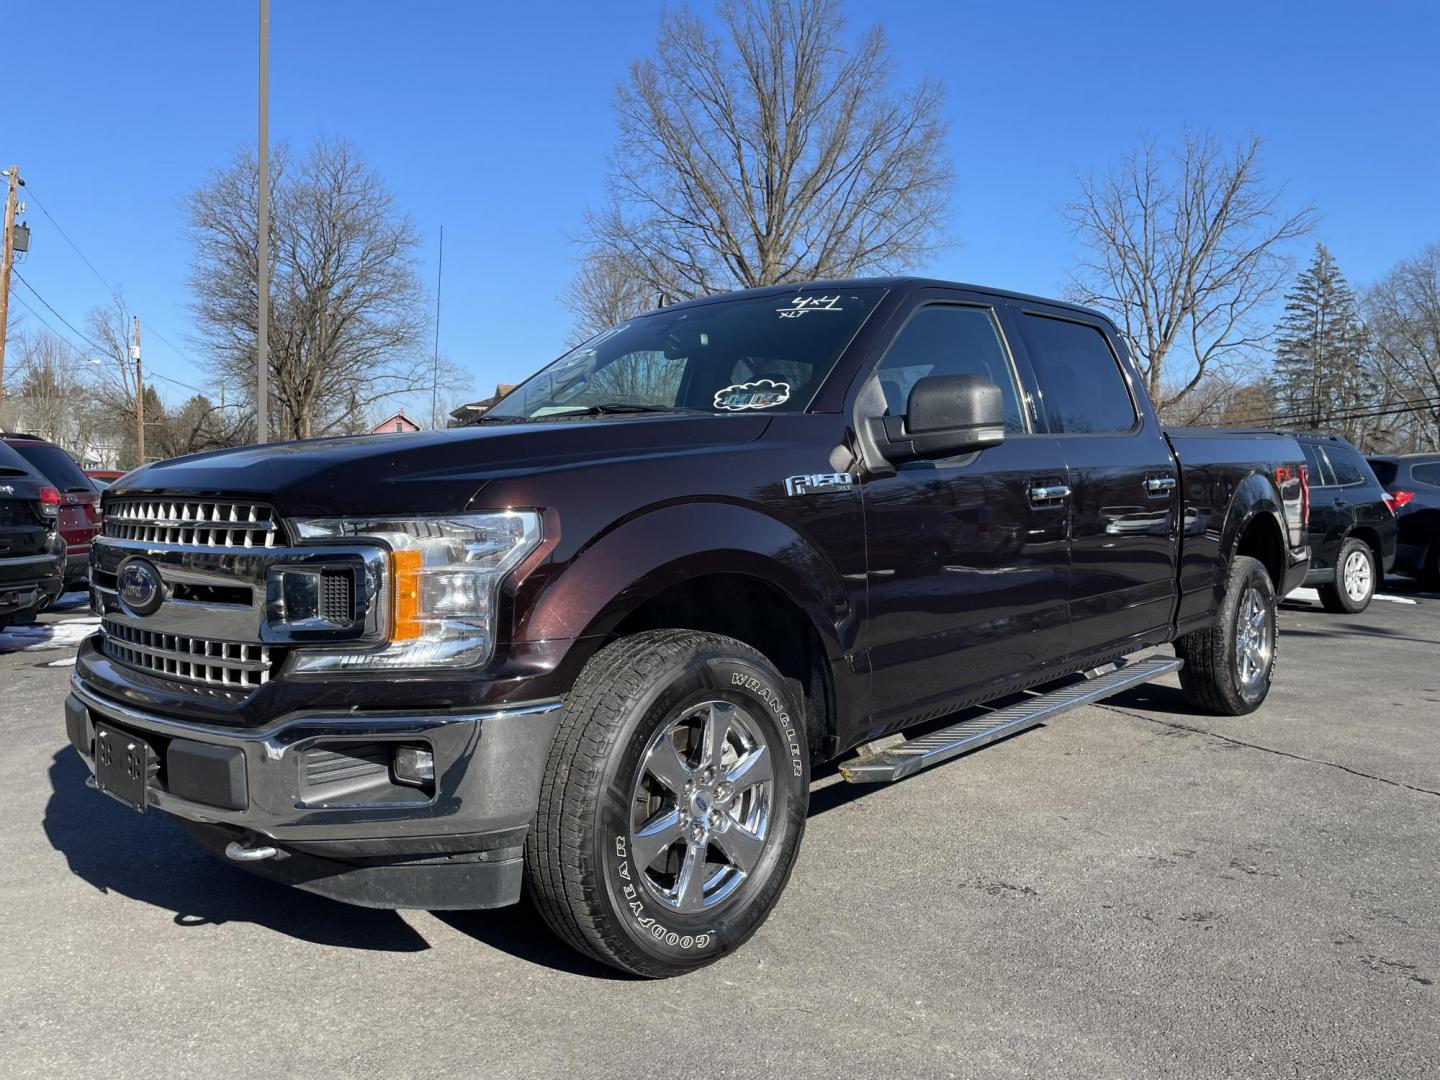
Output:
x=444 y=575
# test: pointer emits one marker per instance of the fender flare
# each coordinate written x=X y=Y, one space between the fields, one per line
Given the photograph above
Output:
x=1255 y=496
x=639 y=557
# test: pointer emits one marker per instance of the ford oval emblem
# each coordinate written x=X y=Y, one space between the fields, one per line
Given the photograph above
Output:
x=140 y=586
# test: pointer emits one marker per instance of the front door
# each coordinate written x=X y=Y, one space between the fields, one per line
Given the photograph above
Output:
x=967 y=559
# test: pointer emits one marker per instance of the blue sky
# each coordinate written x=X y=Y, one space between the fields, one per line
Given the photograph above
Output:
x=495 y=121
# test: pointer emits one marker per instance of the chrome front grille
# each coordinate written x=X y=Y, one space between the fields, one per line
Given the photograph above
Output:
x=196 y=522
x=228 y=665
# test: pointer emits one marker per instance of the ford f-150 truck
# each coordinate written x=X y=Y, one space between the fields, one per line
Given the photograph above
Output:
x=594 y=644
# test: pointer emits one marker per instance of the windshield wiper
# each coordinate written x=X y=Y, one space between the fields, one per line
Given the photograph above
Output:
x=607 y=408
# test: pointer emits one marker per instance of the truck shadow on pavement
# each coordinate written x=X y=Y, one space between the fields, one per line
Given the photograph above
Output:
x=149 y=858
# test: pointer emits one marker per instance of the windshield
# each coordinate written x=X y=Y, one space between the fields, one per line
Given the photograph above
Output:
x=761 y=354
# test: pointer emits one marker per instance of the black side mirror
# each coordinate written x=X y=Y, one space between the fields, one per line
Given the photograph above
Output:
x=946 y=415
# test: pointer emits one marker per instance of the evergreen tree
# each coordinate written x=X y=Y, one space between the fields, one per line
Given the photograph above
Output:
x=1321 y=379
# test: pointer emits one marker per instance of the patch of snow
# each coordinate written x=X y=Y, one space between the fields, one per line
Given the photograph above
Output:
x=1391 y=599
x=65 y=634
x=68 y=661
x=1309 y=596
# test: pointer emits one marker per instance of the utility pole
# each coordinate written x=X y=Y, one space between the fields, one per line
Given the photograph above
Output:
x=6 y=258
x=262 y=278
x=139 y=398
x=435 y=371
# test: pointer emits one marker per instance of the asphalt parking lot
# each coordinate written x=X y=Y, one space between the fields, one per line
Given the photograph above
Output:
x=1131 y=891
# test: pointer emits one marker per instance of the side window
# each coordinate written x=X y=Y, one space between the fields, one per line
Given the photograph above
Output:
x=1079 y=377
x=1320 y=475
x=948 y=339
x=1344 y=466
x=1427 y=474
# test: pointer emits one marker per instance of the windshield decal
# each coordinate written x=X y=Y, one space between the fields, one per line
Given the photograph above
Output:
x=805 y=305
x=760 y=394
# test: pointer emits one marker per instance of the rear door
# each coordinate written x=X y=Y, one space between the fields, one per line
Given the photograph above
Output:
x=1329 y=512
x=967 y=562
x=1124 y=482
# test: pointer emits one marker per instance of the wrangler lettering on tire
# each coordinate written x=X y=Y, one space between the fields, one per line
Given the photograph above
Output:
x=673 y=803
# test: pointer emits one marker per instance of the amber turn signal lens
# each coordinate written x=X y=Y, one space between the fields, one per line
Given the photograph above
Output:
x=405 y=573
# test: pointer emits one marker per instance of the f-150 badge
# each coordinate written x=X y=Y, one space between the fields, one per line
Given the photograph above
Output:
x=817 y=482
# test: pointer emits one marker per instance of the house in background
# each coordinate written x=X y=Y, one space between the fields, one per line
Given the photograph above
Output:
x=395 y=422
x=469 y=413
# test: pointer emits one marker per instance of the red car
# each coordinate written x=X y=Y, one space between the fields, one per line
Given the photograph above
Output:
x=79 y=499
x=103 y=478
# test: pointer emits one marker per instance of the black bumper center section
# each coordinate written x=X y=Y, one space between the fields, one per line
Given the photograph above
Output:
x=205 y=773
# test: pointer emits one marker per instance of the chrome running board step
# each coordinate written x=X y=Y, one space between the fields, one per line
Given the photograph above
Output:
x=910 y=756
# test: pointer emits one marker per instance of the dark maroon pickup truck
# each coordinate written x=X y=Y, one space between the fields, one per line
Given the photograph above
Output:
x=595 y=643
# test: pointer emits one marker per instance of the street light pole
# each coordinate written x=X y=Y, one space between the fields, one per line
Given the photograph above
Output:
x=262 y=276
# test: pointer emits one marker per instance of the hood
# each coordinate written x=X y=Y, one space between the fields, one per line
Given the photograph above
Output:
x=431 y=471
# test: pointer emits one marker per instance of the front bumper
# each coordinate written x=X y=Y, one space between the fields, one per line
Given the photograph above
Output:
x=314 y=786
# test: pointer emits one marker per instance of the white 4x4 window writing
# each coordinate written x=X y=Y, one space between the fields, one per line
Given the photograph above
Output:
x=1079 y=377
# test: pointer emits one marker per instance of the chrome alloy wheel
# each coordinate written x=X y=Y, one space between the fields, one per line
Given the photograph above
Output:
x=700 y=809
x=1254 y=641
x=1357 y=576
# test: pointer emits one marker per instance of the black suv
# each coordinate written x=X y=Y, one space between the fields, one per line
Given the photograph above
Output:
x=1413 y=483
x=32 y=552
x=1352 y=528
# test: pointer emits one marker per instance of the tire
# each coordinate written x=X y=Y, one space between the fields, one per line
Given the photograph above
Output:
x=609 y=774
x=1217 y=676
x=1355 y=579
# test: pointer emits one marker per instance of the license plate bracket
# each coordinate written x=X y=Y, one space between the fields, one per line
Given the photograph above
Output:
x=123 y=765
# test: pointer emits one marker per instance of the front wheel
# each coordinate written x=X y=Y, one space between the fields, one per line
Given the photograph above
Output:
x=1355 y=579
x=1229 y=666
x=673 y=803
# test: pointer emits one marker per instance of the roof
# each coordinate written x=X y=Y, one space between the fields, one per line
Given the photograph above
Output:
x=392 y=418
x=901 y=282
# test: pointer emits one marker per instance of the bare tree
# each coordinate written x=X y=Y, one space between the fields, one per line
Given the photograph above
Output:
x=603 y=293
x=1184 y=247
x=1402 y=313
x=768 y=152
x=346 y=314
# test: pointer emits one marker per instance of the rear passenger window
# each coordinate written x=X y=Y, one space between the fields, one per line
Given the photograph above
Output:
x=948 y=339
x=1320 y=475
x=1384 y=470
x=1427 y=474
x=1344 y=466
x=1079 y=377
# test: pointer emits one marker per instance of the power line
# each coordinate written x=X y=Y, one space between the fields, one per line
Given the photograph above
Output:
x=67 y=322
x=92 y=343
x=1391 y=409
x=114 y=292
x=30 y=196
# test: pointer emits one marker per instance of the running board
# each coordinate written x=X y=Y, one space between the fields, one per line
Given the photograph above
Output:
x=909 y=757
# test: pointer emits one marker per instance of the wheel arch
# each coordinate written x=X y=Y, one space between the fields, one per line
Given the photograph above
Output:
x=767 y=586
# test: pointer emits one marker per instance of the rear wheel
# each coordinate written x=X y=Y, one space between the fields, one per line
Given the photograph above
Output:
x=1229 y=666
x=1355 y=579
x=673 y=803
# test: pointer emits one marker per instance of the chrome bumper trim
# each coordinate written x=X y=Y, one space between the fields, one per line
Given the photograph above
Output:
x=470 y=795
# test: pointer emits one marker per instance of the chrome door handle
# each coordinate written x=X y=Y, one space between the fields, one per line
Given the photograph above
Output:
x=1159 y=485
x=1049 y=492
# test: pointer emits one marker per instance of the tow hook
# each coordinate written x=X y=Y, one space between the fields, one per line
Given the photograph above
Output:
x=239 y=852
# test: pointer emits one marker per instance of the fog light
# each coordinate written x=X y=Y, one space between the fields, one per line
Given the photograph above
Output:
x=413 y=765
